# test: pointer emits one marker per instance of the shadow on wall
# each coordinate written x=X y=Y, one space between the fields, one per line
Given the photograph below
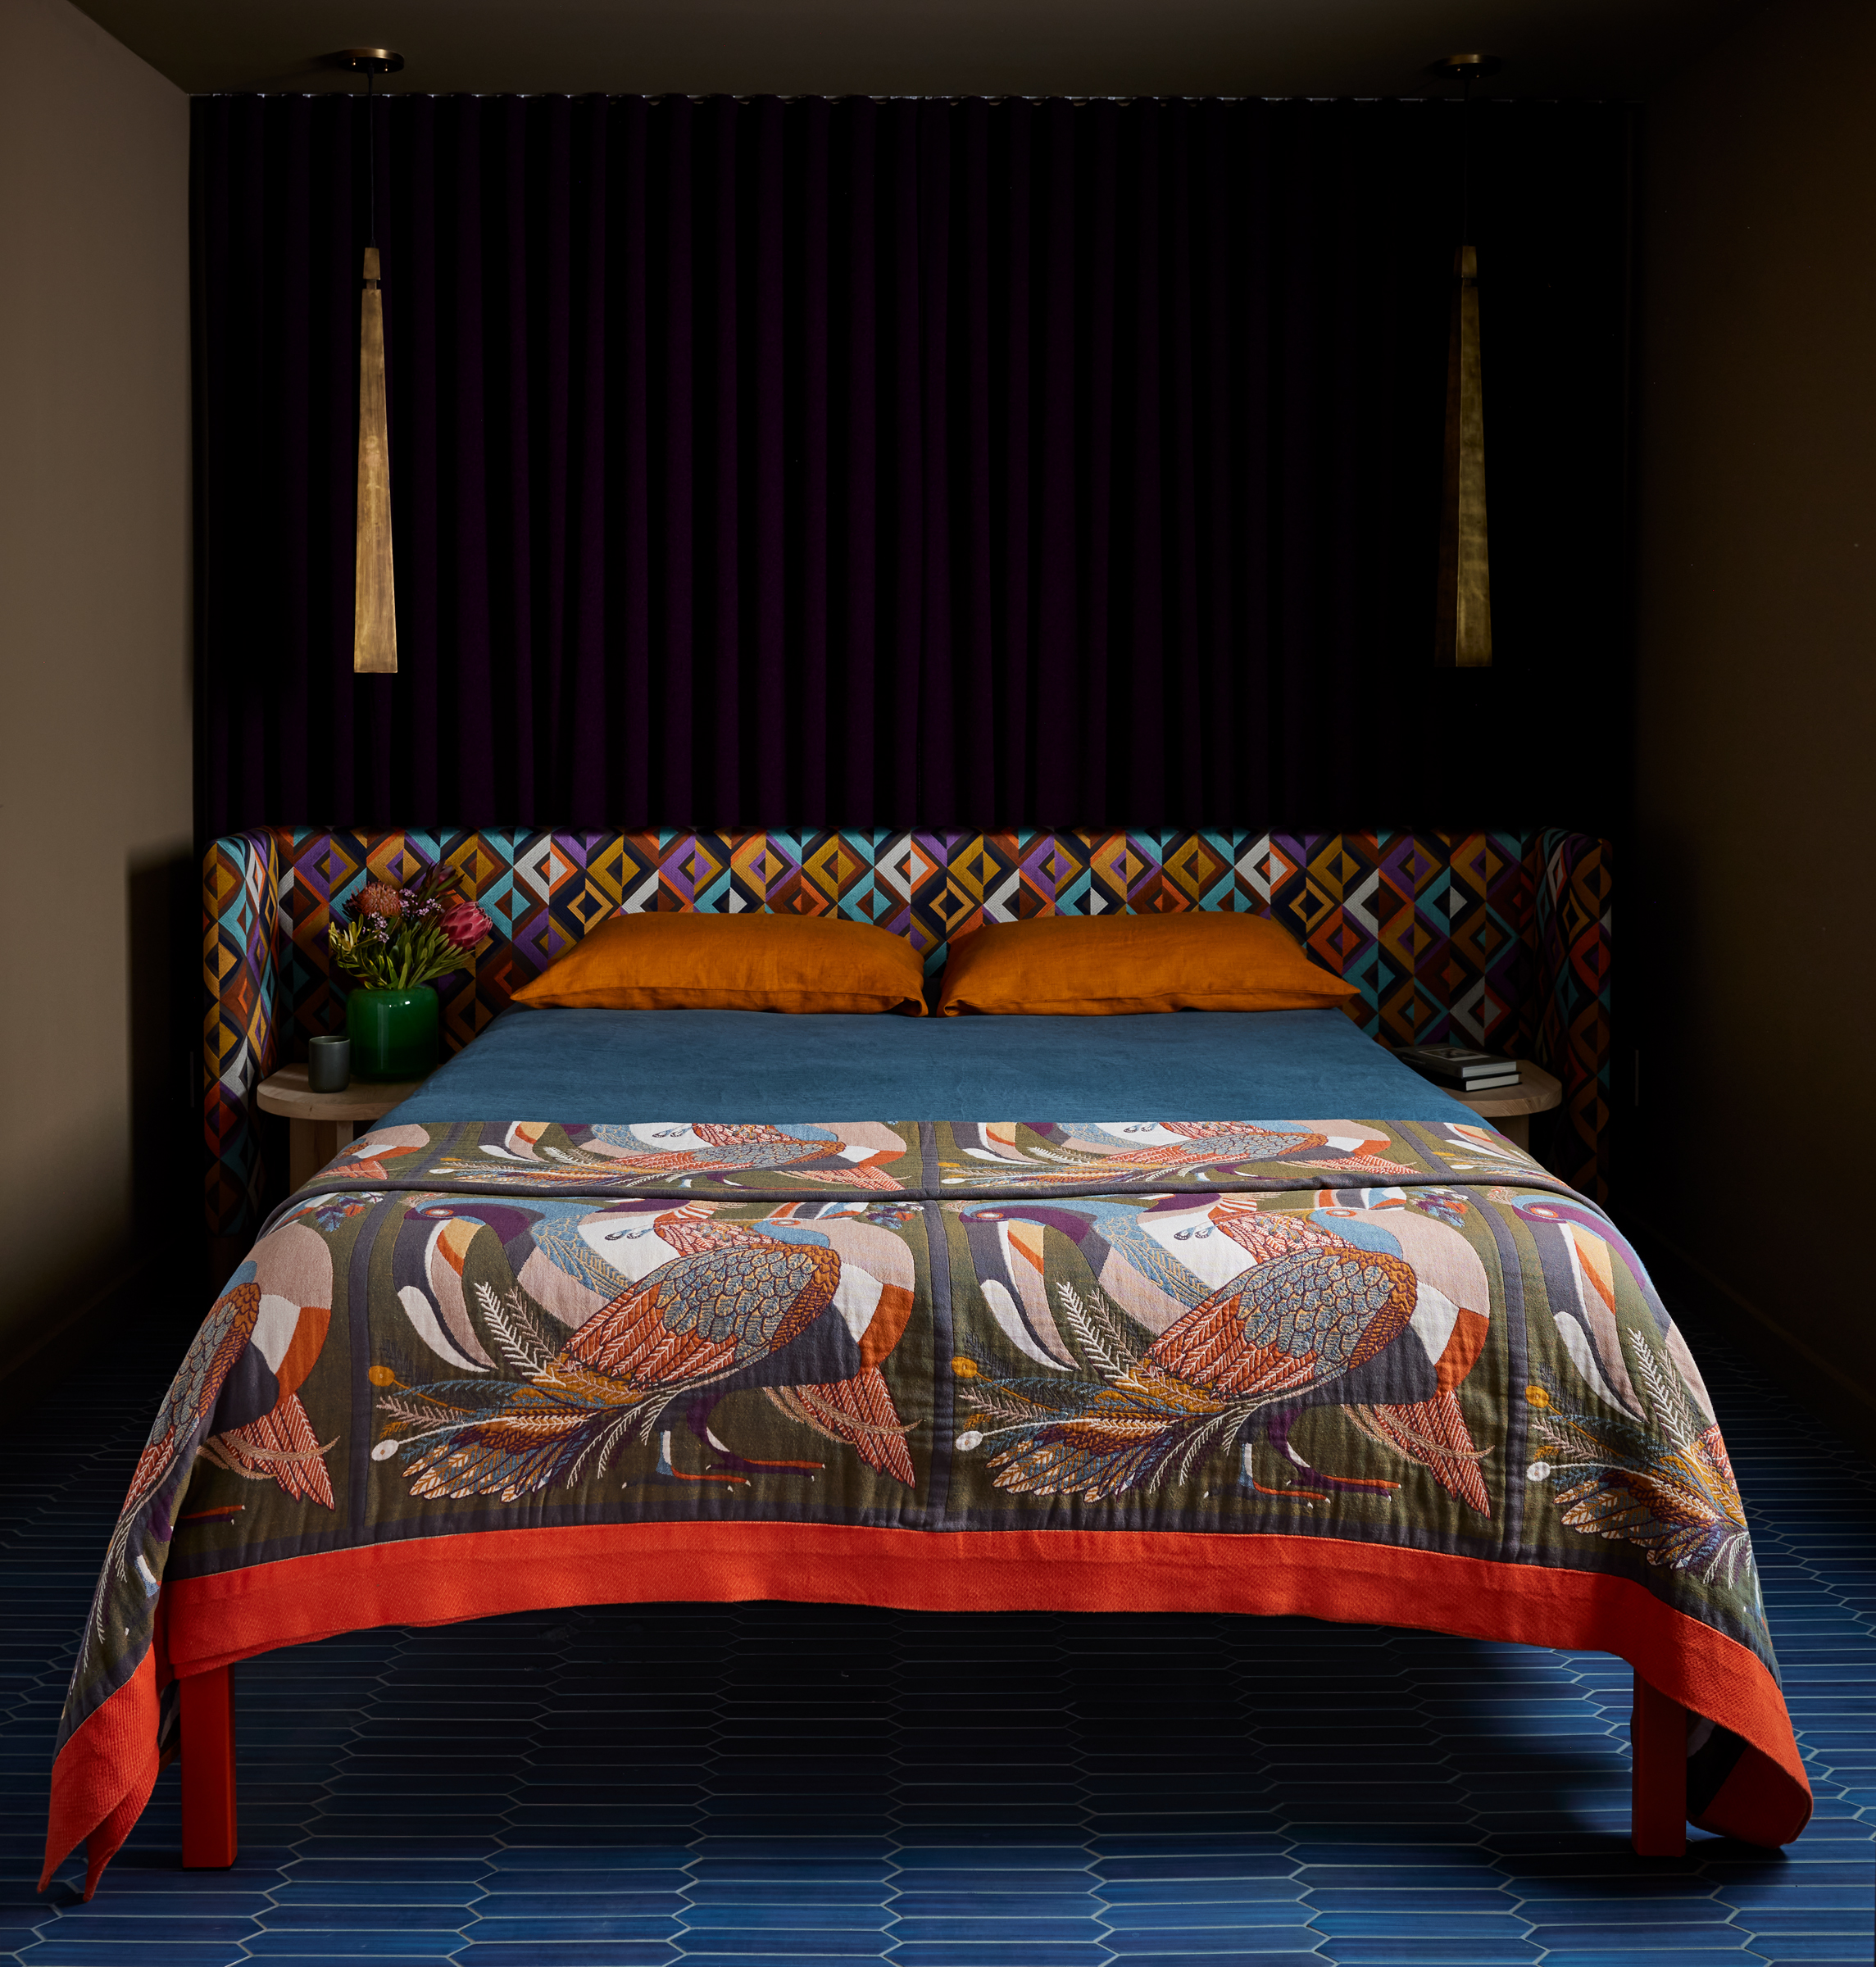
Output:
x=161 y=899
x=102 y=1286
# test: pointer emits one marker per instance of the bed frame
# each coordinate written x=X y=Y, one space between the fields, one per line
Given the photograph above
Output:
x=1501 y=939
x=1658 y=1789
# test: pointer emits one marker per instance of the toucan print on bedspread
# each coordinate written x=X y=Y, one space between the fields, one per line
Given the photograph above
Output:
x=1363 y=1370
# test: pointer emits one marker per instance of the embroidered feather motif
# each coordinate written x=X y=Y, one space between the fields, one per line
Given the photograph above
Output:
x=280 y=1445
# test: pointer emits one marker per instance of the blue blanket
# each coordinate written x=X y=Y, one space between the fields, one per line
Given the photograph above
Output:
x=615 y=1065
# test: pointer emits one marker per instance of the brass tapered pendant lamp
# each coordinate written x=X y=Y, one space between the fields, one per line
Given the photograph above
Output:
x=1462 y=630
x=1462 y=633
x=375 y=604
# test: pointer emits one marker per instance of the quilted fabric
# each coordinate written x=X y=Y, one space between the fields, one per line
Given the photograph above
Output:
x=1495 y=938
x=1374 y=1372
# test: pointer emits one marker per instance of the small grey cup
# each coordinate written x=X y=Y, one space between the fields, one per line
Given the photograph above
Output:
x=329 y=1064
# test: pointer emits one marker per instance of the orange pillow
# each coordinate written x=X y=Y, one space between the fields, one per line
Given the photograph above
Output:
x=1097 y=966
x=751 y=962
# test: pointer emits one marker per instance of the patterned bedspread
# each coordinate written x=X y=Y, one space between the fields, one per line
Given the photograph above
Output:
x=1377 y=1372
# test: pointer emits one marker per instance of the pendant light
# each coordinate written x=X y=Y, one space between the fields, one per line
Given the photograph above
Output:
x=375 y=599
x=1462 y=631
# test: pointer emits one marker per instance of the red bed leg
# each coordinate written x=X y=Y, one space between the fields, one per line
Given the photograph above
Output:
x=208 y=1769
x=1658 y=1739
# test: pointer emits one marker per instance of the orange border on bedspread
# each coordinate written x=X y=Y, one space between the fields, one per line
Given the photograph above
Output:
x=214 y=1621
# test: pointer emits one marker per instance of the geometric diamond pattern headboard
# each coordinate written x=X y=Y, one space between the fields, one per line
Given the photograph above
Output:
x=1500 y=939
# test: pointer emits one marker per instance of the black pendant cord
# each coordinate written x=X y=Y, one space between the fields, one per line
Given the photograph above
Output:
x=370 y=163
x=1464 y=169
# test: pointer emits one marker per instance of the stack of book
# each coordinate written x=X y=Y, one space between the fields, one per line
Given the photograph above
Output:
x=1460 y=1067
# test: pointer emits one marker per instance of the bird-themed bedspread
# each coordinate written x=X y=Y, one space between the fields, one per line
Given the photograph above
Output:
x=1367 y=1371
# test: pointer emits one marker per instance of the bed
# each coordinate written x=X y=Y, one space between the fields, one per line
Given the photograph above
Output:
x=486 y=1362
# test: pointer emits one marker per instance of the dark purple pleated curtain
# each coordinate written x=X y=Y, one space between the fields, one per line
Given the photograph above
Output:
x=869 y=464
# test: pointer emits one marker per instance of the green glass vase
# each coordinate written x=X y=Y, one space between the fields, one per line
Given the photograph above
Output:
x=394 y=1033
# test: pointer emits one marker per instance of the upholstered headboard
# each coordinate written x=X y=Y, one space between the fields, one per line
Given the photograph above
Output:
x=1497 y=939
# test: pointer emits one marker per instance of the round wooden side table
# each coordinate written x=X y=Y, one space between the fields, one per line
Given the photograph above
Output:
x=1509 y=1108
x=322 y=1122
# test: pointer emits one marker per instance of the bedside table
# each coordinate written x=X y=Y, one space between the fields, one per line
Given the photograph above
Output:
x=322 y=1122
x=1509 y=1108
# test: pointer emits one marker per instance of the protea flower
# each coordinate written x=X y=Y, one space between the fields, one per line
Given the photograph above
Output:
x=464 y=925
x=399 y=938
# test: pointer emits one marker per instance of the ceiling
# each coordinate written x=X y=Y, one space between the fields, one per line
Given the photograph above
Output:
x=1229 y=47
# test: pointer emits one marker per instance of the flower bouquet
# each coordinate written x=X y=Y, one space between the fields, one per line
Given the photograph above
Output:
x=397 y=942
x=399 y=938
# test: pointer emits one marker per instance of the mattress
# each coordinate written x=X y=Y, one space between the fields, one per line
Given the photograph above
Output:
x=1355 y=1356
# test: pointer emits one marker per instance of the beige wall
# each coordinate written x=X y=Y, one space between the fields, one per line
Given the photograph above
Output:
x=1750 y=900
x=94 y=650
